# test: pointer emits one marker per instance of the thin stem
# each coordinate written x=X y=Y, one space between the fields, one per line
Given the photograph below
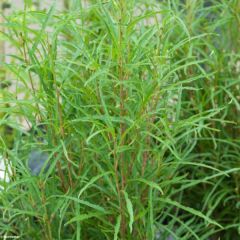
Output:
x=29 y=74
x=122 y=112
x=47 y=221
x=2 y=47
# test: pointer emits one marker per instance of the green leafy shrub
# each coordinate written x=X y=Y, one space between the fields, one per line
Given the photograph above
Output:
x=136 y=105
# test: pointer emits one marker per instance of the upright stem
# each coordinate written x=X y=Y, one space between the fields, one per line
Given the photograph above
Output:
x=122 y=92
x=122 y=112
x=23 y=39
x=2 y=44
x=46 y=219
x=61 y=123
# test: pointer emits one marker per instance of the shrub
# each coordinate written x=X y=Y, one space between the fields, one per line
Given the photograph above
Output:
x=136 y=106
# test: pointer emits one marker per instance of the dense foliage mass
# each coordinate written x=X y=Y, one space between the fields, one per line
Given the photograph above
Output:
x=133 y=107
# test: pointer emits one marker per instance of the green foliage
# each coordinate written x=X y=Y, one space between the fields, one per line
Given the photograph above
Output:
x=138 y=103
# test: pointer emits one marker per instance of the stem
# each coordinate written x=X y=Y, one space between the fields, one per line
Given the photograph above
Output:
x=27 y=62
x=62 y=130
x=2 y=47
x=122 y=113
x=47 y=223
x=61 y=124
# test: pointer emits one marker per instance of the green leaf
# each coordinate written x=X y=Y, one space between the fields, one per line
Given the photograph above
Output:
x=149 y=183
x=83 y=217
x=117 y=228
x=130 y=210
x=92 y=181
x=190 y=210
